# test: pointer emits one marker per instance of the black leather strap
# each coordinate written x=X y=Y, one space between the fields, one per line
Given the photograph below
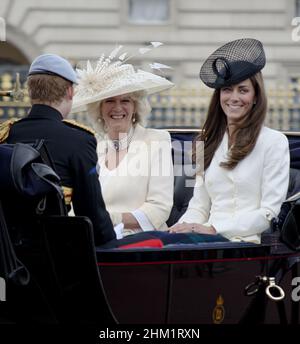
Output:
x=11 y=267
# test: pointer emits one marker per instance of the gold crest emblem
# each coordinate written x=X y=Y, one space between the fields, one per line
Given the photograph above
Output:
x=219 y=311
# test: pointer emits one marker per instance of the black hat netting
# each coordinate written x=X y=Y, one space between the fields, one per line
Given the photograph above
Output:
x=233 y=62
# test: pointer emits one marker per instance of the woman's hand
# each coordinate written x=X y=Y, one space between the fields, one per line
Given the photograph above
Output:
x=130 y=221
x=192 y=227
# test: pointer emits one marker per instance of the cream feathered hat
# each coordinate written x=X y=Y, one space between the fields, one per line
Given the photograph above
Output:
x=111 y=77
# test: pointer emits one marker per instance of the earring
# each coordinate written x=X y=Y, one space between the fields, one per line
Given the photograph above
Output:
x=133 y=119
x=254 y=102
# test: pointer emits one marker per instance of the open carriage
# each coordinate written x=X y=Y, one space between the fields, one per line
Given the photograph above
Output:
x=208 y=283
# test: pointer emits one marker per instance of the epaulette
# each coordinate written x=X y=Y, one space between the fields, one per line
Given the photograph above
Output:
x=77 y=125
x=5 y=128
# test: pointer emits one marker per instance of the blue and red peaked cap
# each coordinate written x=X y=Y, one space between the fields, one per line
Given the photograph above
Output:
x=233 y=62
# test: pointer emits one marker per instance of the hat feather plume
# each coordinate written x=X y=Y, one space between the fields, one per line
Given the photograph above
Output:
x=146 y=49
x=93 y=79
x=159 y=66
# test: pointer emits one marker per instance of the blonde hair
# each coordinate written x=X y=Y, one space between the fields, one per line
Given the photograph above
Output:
x=140 y=99
x=47 y=88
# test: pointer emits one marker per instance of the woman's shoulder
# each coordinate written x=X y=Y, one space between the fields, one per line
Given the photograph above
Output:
x=270 y=136
x=158 y=134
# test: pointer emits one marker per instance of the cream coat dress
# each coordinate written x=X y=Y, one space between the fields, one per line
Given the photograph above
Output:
x=240 y=203
x=143 y=181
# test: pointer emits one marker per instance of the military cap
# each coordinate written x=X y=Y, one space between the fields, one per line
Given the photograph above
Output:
x=52 y=64
x=233 y=62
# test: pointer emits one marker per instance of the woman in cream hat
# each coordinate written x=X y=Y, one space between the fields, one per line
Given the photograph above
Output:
x=246 y=165
x=136 y=172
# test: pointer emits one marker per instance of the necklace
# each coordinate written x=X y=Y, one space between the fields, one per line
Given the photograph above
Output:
x=123 y=143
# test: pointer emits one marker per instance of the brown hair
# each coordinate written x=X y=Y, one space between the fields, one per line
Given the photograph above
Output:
x=246 y=131
x=47 y=88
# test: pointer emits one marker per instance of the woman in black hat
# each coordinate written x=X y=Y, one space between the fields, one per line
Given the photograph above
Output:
x=246 y=165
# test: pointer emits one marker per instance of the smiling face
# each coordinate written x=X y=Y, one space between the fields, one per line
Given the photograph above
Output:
x=117 y=113
x=237 y=100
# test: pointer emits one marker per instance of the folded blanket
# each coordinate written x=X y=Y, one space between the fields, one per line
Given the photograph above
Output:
x=161 y=239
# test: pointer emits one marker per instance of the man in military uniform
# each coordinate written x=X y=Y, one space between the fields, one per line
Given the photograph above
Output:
x=71 y=147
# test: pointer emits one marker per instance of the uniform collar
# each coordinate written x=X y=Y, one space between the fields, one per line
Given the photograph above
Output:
x=44 y=111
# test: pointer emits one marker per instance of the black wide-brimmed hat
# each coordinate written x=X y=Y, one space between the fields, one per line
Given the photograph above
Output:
x=233 y=62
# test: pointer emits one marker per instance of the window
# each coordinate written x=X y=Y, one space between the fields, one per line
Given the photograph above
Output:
x=297 y=8
x=149 y=11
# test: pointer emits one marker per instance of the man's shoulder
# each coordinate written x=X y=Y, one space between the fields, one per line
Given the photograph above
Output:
x=79 y=126
x=5 y=128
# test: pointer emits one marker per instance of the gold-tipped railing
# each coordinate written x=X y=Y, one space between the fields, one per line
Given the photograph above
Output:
x=17 y=94
x=180 y=106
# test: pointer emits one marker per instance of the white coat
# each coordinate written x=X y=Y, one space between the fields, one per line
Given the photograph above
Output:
x=143 y=179
x=240 y=203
